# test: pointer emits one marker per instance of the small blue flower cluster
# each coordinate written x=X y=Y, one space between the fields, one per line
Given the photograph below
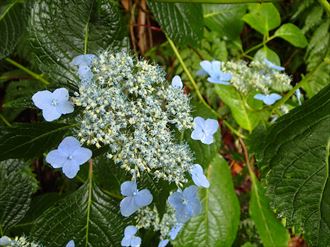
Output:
x=257 y=76
x=127 y=106
x=17 y=242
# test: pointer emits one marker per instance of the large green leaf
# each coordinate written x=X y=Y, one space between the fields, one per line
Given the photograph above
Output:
x=15 y=193
x=183 y=22
x=242 y=114
x=29 y=140
x=263 y=17
x=12 y=24
x=218 y=223
x=88 y=216
x=225 y=19
x=271 y=231
x=294 y=154
x=268 y=53
x=60 y=30
x=292 y=34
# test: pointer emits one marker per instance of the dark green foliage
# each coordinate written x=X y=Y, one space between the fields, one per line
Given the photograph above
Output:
x=183 y=22
x=30 y=140
x=295 y=156
x=16 y=188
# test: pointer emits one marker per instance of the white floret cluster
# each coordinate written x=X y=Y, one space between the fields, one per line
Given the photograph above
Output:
x=256 y=76
x=130 y=107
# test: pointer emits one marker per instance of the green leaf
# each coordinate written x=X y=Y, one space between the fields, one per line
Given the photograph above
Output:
x=12 y=24
x=240 y=110
x=226 y=19
x=88 y=216
x=294 y=154
x=271 y=231
x=30 y=140
x=183 y=22
x=16 y=189
x=61 y=30
x=218 y=223
x=292 y=34
x=263 y=17
x=271 y=55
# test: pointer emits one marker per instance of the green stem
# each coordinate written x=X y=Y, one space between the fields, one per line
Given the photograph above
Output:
x=90 y=186
x=264 y=42
x=325 y=5
x=34 y=75
x=5 y=121
x=198 y=93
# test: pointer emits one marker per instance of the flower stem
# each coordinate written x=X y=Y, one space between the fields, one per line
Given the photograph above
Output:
x=34 y=75
x=198 y=93
x=5 y=121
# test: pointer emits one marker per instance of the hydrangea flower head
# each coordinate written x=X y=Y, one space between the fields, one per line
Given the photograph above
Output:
x=204 y=130
x=213 y=69
x=53 y=104
x=130 y=240
x=134 y=199
x=175 y=230
x=84 y=62
x=69 y=156
x=177 y=82
x=185 y=203
x=163 y=243
x=198 y=176
x=273 y=66
x=268 y=99
x=131 y=108
x=70 y=244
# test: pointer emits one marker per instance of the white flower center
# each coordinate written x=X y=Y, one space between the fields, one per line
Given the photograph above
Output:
x=69 y=157
x=54 y=102
x=184 y=201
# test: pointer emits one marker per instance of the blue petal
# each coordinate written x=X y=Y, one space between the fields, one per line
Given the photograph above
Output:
x=298 y=95
x=268 y=99
x=183 y=214
x=5 y=241
x=70 y=168
x=130 y=231
x=65 y=107
x=195 y=207
x=85 y=73
x=206 y=66
x=42 y=99
x=207 y=139
x=177 y=82
x=69 y=145
x=56 y=158
x=197 y=175
x=201 y=72
x=163 y=243
x=128 y=206
x=143 y=198
x=190 y=193
x=216 y=67
x=226 y=76
x=81 y=155
x=126 y=241
x=51 y=113
x=83 y=60
x=128 y=188
x=218 y=80
x=197 y=134
x=175 y=231
x=70 y=244
x=135 y=241
x=273 y=66
x=61 y=95
x=176 y=199
x=211 y=126
x=199 y=122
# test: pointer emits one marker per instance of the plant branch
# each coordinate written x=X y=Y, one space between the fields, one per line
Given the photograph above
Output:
x=325 y=5
x=34 y=75
x=198 y=93
x=5 y=120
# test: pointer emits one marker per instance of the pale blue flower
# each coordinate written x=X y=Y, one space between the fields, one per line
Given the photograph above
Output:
x=198 y=176
x=213 y=69
x=175 y=230
x=84 y=62
x=185 y=203
x=163 y=243
x=268 y=99
x=177 y=82
x=273 y=66
x=53 y=104
x=70 y=244
x=69 y=156
x=204 y=130
x=130 y=240
x=134 y=199
x=5 y=241
x=298 y=95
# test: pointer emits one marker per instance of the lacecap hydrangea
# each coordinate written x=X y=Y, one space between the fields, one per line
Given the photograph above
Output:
x=129 y=106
